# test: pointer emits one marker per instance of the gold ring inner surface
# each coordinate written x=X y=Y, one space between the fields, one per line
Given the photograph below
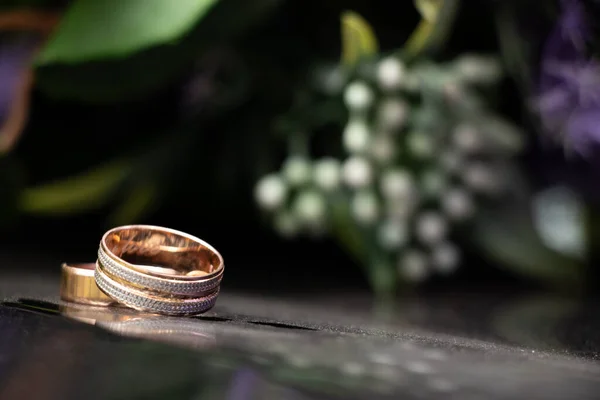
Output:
x=162 y=253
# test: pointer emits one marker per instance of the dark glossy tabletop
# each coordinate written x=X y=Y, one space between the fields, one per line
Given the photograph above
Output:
x=476 y=346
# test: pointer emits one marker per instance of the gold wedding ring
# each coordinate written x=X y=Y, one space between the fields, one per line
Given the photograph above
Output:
x=158 y=270
x=78 y=285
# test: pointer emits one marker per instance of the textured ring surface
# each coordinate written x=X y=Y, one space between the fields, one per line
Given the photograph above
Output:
x=146 y=302
x=171 y=286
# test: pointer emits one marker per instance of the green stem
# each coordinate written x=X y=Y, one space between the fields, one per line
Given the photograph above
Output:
x=382 y=277
x=378 y=268
x=346 y=232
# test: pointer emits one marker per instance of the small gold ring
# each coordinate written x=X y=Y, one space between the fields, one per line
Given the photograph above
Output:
x=78 y=285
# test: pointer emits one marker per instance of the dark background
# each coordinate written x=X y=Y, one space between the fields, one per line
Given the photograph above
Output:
x=210 y=196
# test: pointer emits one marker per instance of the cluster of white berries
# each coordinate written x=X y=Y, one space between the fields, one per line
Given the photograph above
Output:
x=416 y=164
x=297 y=195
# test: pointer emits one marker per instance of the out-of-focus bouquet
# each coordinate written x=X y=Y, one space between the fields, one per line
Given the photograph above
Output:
x=422 y=169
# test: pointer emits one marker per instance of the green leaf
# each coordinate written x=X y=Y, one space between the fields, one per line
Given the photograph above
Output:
x=147 y=71
x=358 y=38
x=429 y=9
x=509 y=237
x=93 y=30
x=437 y=17
x=79 y=193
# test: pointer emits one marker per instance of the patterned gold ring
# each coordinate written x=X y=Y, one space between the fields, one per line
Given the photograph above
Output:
x=159 y=270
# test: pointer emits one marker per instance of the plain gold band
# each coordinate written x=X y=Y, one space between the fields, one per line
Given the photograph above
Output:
x=78 y=285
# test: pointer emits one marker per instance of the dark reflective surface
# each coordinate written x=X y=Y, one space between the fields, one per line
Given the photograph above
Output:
x=248 y=347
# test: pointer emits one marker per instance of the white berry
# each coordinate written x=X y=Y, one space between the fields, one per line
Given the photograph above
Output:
x=327 y=173
x=396 y=184
x=356 y=136
x=390 y=73
x=431 y=228
x=357 y=172
x=393 y=114
x=392 y=234
x=297 y=170
x=457 y=204
x=358 y=96
x=466 y=138
x=365 y=207
x=413 y=266
x=420 y=145
x=270 y=192
x=445 y=258
x=382 y=148
x=310 y=207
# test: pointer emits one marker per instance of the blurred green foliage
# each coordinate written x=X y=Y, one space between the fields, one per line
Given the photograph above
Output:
x=76 y=194
x=358 y=39
x=138 y=55
x=92 y=30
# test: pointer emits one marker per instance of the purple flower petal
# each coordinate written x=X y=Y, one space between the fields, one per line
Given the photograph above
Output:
x=586 y=123
x=568 y=99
